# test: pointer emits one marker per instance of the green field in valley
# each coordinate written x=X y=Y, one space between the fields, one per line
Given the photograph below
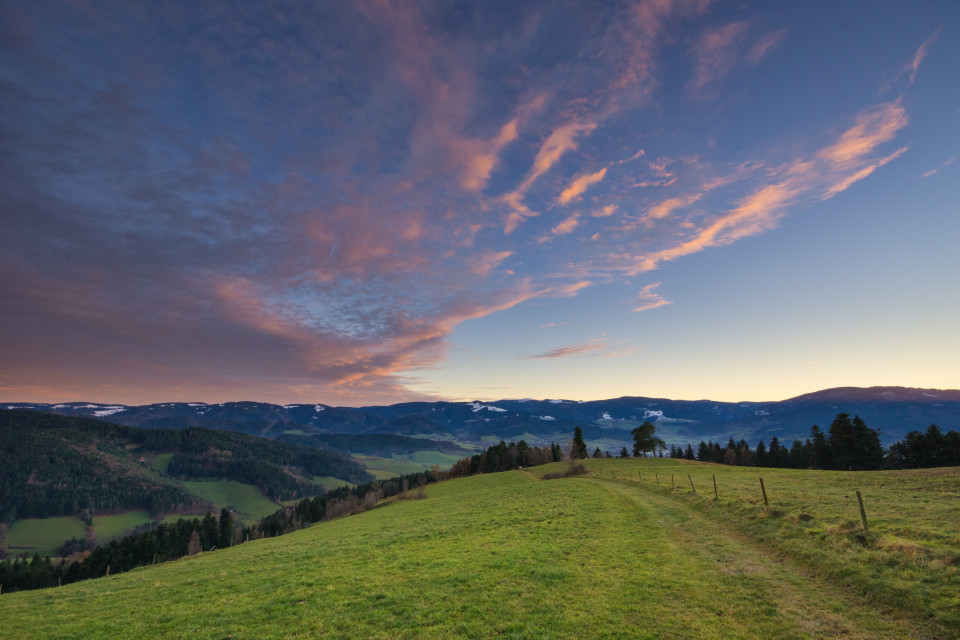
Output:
x=161 y=461
x=397 y=467
x=608 y=555
x=108 y=527
x=42 y=535
x=246 y=499
x=329 y=482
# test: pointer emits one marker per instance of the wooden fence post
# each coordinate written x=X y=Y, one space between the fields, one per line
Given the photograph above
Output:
x=658 y=478
x=673 y=485
x=715 y=496
x=764 y=489
x=108 y=570
x=863 y=514
x=691 y=483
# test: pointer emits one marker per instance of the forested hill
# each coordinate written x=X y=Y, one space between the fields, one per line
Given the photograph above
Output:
x=59 y=465
x=375 y=444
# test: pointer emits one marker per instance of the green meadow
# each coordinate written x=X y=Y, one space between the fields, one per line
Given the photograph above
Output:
x=107 y=528
x=246 y=499
x=42 y=535
x=607 y=555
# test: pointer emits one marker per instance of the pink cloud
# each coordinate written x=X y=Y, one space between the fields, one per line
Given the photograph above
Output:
x=487 y=261
x=649 y=299
x=767 y=43
x=579 y=185
x=715 y=53
x=584 y=348
x=921 y=53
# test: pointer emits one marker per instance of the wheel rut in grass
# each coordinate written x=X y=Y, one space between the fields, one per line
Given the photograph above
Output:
x=808 y=604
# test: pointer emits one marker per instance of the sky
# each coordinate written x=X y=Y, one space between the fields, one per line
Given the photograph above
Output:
x=371 y=202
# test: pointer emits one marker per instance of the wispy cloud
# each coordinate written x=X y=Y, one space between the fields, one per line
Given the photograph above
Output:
x=648 y=299
x=921 y=53
x=947 y=163
x=558 y=143
x=592 y=347
x=764 y=45
x=580 y=184
x=715 y=53
x=605 y=212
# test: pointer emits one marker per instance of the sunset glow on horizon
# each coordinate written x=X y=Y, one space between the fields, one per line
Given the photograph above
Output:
x=376 y=202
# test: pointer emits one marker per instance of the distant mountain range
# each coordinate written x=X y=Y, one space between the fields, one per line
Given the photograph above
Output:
x=605 y=423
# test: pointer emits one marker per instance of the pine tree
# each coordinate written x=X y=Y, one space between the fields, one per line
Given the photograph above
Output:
x=624 y=453
x=578 y=449
x=226 y=529
x=819 y=451
x=841 y=443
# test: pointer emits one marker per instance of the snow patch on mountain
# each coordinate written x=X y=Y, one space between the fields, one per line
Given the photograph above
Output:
x=108 y=411
x=318 y=408
x=606 y=416
x=546 y=417
x=489 y=407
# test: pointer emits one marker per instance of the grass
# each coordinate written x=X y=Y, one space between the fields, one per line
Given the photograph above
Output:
x=161 y=461
x=329 y=482
x=380 y=474
x=393 y=466
x=247 y=500
x=499 y=555
x=42 y=535
x=910 y=560
x=107 y=528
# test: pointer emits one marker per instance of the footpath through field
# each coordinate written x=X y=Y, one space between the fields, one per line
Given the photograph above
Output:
x=733 y=584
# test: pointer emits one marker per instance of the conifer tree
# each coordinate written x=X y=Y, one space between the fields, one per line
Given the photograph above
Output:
x=578 y=448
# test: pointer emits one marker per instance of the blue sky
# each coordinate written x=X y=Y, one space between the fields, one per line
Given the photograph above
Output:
x=357 y=203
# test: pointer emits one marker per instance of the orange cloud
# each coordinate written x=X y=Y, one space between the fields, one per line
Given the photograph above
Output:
x=665 y=208
x=872 y=129
x=579 y=185
x=557 y=143
x=605 y=212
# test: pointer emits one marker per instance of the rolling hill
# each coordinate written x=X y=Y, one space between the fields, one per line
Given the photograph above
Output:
x=618 y=553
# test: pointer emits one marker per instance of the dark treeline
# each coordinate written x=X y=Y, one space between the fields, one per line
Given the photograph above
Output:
x=932 y=448
x=53 y=465
x=847 y=445
x=161 y=543
x=506 y=457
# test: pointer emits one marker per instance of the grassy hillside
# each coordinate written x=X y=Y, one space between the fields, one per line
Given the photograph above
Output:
x=610 y=555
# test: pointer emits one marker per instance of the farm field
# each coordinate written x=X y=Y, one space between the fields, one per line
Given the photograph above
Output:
x=108 y=527
x=329 y=482
x=397 y=467
x=608 y=555
x=248 y=501
x=42 y=535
